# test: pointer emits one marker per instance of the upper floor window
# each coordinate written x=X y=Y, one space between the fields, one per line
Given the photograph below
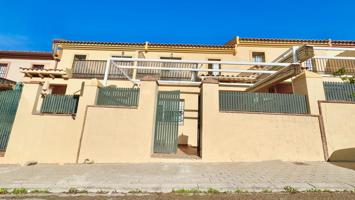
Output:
x=170 y=58
x=214 y=66
x=79 y=57
x=37 y=66
x=121 y=56
x=3 y=69
x=168 y=64
x=258 y=56
x=57 y=89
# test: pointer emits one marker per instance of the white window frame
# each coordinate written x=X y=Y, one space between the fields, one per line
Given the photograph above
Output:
x=215 y=66
x=256 y=58
x=4 y=67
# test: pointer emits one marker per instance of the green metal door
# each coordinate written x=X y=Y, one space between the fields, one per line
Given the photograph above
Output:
x=167 y=122
x=8 y=107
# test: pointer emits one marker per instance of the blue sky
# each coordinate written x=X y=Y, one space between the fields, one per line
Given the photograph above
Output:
x=32 y=25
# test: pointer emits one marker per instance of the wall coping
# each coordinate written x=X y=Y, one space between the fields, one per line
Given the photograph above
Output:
x=271 y=113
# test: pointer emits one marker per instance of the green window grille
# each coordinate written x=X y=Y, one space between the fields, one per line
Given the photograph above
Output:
x=338 y=91
x=60 y=104
x=118 y=96
x=262 y=102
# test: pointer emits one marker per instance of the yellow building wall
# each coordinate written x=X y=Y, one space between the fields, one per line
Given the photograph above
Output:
x=311 y=85
x=14 y=66
x=118 y=134
x=244 y=53
x=339 y=129
x=239 y=137
x=46 y=138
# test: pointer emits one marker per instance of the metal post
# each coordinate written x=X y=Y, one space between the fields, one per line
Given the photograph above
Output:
x=294 y=54
x=134 y=73
x=107 y=71
x=215 y=67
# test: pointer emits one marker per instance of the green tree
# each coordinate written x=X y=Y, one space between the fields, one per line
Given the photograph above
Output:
x=341 y=73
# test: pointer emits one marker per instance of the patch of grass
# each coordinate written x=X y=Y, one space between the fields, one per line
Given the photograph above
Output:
x=187 y=191
x=240 y=191
x=137 y=191
x=317 y=190
x=266 y=191
x=19 y=191
x=76 y=191
x=3 y=191
x=290 y=190
x=102 y=192
x=213 y=191
x=40 y=191
x=314 y=190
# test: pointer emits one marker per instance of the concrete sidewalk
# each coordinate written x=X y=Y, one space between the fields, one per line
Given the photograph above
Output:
x=164 y=177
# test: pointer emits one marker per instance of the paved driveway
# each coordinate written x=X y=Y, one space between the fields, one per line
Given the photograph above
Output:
x=164 y=177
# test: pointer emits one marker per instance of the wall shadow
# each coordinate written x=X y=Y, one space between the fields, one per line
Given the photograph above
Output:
x=343 y=158
x=343 y=155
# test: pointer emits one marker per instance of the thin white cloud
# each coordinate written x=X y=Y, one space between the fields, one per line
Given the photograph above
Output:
x=13 y=42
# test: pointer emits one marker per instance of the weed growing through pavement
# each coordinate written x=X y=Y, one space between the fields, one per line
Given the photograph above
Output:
x=290 y=190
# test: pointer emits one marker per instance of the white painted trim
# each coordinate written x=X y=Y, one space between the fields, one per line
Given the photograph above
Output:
x=334 y=57
x=163 y=82
x=203 y=62
x=196 y=70
x=197 y=62
x=236 y=84
x=334 y=49
x=107 y=70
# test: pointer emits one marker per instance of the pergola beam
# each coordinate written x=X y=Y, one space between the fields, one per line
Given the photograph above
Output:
x=278 y=77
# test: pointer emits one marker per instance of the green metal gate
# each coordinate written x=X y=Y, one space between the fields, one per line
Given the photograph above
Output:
x=167 y=122
x=9 y=100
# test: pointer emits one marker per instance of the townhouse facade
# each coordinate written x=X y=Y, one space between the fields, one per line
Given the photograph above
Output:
x=247 y=100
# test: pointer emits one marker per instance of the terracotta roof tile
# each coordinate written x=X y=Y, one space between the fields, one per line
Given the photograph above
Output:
x=142 y=44
x=294 y=41
x=228 y=45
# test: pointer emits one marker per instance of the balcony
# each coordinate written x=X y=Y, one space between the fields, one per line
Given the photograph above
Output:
x=330 y=65
x=328 y=60
x=96 y=69
x=180 y=71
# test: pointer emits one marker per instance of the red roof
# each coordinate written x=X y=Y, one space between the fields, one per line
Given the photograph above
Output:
x=33 y=55
x=142 y=44
x=294 y=41
x=228 y=45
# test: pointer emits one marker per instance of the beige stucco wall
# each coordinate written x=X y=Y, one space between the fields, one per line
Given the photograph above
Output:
x=234 y=137
x=14 y=66
x=118 y=134
x=311 y=85
x=244 y=53
x=47 y=138
x=126 y=135
x=339 y=129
